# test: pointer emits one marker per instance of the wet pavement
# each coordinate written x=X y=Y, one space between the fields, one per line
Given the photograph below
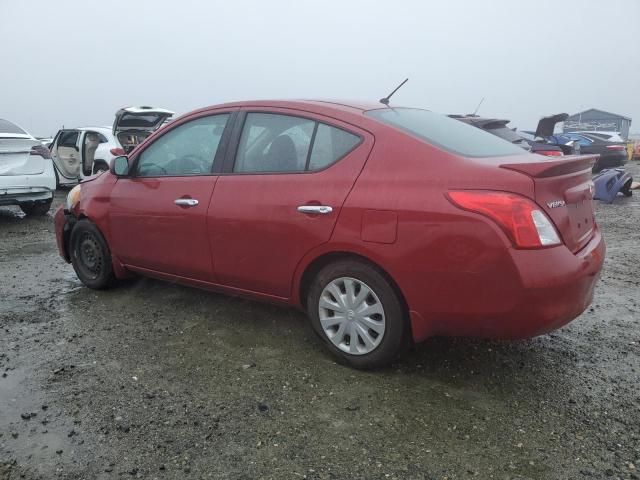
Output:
x=153 y=380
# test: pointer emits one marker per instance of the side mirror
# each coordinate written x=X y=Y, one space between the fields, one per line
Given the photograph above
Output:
x=119 y=166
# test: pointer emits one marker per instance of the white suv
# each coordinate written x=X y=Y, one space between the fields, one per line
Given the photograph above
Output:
x=27 y=177
x=80 y=152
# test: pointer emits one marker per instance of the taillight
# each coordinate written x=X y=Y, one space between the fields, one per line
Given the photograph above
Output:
x=616 y=147
x=550 y=153
x=41 y=151
x=117 y=152
x=526 y=225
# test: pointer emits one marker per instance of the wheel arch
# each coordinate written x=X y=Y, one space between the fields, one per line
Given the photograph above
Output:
x=324 y=259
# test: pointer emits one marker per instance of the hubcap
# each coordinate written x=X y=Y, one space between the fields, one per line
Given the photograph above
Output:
x=90 y=255
x=351 y=316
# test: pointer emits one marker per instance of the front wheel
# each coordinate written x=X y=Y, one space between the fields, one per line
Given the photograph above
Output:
x=90 y=255
x=358 y=314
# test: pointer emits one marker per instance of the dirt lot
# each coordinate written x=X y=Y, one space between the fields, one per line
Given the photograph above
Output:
x=152 y=380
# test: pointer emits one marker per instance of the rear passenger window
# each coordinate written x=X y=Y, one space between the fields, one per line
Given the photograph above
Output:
x=274 y=143
x=286 y=143
x=330 y=145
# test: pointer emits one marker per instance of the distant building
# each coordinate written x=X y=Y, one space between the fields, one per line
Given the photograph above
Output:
x=594 y=119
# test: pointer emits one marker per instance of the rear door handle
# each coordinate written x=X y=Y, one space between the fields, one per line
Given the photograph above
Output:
x=315 y=209
x=186 y=202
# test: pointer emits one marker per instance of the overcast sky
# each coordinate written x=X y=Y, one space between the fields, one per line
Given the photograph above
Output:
x=75 y=62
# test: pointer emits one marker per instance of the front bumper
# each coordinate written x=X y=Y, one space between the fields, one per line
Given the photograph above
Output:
x=63 y=222
x=542 y=290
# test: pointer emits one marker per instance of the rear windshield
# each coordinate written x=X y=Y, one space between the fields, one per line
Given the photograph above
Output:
x=444 y=132
x=8 y=127
x=506 y=134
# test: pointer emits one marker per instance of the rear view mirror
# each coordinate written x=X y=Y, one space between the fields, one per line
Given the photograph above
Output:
x=120 y=166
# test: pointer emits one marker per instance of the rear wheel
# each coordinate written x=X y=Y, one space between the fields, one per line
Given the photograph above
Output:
x=357 y=313
x=90 y=255
x=36 y=208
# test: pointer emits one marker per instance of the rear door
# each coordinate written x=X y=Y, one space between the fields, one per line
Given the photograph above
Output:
x=157 y=215
x=284 y=185
x=66 y=153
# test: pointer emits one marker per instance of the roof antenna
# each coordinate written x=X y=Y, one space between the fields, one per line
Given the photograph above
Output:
x=385 y=100
x=478 y=107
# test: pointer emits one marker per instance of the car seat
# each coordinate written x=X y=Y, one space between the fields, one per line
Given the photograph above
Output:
x=91 y=142
x=282 y=155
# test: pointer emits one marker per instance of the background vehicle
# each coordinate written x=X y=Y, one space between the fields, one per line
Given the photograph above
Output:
x=612 y=154
x=80 y=152
x=387 y=225
x=27 y=178
x=610 y=136
x=499 y=128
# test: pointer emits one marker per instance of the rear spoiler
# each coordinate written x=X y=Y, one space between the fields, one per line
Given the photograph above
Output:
x=552 y=168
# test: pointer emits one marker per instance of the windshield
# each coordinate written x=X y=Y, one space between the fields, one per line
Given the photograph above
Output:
x=444 y=132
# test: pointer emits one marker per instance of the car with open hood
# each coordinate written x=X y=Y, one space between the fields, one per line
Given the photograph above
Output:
x=386 y=225
x=80 y=152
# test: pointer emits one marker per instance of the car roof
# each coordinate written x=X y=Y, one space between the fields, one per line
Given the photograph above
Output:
x=93 y=129
x=311 y=105
x=346 y=111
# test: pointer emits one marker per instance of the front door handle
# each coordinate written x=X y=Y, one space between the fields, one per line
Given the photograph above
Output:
x=186 y=202
x=315 y=209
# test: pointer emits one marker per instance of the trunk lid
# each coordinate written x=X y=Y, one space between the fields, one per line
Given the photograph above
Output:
x=16 y=158
x=564 y=189
x=547 y=125
x=140 y=119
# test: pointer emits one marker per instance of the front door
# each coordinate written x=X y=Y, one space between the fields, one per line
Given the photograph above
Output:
x=158 y=214
x=280 y=196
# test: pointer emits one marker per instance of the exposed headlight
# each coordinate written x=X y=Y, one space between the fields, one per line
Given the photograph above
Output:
x=73 y=197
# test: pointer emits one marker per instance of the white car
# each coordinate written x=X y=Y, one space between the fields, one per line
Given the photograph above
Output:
x=27 y=177
x=80 y=152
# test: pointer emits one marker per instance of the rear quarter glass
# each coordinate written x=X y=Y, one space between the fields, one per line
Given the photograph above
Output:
x=447 y=133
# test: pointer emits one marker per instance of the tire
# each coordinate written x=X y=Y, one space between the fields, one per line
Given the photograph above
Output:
x=36 y=209
x=90 y=256
x=388 y=315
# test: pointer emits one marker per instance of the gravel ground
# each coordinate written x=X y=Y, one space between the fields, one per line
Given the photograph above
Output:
x=153 y=380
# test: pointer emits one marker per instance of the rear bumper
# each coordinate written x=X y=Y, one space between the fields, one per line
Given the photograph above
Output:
x=19 y=196
x=540 y=292
x=18 y=189
x=63 y=222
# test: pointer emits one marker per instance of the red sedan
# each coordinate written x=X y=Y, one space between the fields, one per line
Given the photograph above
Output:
x=387 y=225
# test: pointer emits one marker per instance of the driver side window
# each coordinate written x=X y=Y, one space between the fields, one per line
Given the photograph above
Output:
x=188 y=149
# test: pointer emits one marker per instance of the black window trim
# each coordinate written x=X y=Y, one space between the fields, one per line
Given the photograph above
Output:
x=216 y=166
x=230 y=158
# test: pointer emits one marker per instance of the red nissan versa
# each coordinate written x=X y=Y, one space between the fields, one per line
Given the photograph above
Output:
x=387 y=225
